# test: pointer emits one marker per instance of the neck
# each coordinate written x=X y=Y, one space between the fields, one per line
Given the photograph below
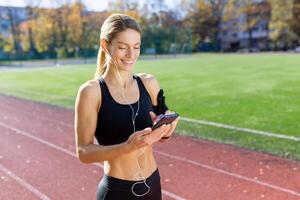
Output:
x=116 y=77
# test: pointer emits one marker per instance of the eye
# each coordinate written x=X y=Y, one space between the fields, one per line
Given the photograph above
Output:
x=138 y=47
x=122 y=48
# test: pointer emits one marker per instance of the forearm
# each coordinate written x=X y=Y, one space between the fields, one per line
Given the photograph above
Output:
x=97 y=153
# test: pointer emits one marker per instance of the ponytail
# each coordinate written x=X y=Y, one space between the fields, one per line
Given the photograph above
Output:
x=101 y=65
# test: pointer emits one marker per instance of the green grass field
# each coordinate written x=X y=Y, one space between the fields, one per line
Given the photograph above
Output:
x=256 y=91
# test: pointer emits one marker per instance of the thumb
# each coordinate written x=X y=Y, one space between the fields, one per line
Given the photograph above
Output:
x=153 y=116
x=146 y=130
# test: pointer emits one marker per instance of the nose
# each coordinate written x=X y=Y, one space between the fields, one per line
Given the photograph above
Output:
x=129 y=53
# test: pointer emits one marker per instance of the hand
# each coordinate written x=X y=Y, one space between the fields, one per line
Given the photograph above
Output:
x=172 y=125
x=157 y=134
x=140 y=139
x=137 y=139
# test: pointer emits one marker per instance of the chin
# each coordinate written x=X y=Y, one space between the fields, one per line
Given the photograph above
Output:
x=127 y=68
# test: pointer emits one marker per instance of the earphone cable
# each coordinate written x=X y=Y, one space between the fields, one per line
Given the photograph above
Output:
x=139 y=173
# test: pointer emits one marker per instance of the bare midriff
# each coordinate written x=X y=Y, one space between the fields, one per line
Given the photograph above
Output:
x=126 y=166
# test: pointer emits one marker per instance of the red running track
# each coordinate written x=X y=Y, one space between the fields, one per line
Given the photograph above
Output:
x=37 y=161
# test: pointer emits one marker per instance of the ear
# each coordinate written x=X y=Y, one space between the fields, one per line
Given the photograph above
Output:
x=104 y=45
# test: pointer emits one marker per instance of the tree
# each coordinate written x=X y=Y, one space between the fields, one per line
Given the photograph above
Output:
x=31 y=12
x=253 y=13
x=295 y=22
x=217 y=8
x=200 y=18
x=129 y=7
x=280 y=26
x=14 y=39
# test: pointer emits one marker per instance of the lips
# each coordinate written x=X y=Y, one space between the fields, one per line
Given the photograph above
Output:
x=128 y=62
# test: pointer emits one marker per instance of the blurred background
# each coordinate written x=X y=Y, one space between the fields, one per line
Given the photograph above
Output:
x=230 y=68
x=52 y=29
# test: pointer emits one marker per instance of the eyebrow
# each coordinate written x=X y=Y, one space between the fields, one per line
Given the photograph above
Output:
x=128 y=44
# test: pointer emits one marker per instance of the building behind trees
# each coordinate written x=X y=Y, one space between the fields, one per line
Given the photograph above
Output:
x=70 y=30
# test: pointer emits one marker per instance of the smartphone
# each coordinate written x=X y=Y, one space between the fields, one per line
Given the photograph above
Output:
x=164 y=119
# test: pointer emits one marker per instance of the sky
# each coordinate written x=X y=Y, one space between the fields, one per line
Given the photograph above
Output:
x=96 y=5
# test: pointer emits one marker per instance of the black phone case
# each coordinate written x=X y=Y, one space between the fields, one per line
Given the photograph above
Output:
x=166 y=119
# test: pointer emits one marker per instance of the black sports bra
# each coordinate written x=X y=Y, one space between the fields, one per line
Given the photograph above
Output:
x=114 y=124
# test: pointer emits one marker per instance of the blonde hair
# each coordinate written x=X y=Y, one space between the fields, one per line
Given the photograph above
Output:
x=113 y=25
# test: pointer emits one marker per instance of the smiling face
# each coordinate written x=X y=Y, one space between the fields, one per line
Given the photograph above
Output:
x=125 y=49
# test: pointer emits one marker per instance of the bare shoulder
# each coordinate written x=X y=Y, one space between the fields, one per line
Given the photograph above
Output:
x=151 y=84
x=149 y=81
x=89 y=92
x=90 y=87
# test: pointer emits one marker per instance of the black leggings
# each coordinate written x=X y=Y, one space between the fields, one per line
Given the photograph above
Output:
x=110 y=188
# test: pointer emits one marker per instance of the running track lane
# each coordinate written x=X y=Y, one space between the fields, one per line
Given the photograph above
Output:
x=53 y=131
x=208 y=184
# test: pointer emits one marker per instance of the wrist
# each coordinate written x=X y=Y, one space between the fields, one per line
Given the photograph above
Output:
x=127 y=148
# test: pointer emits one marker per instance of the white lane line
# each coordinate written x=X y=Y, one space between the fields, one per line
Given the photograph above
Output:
x=24 y=183
x=42 y=117
x=42 y=94
x=167 y=155
x=172 y=195
x=18 y=131
x=247 y=130
x=220 y=125
x=275 y=187
x=174 y=157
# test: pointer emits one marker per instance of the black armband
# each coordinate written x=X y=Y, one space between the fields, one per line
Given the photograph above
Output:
x=161 y=107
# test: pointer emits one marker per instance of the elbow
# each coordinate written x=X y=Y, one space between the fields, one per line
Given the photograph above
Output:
x=82 y=158
x=81 y=155
x=87 y=156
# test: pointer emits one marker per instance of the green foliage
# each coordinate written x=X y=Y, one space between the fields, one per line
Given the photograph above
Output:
x=61 y=53
x=162 y=39
x=8 y=46
x=295 y=22
x=279 y=23
x=71 y=27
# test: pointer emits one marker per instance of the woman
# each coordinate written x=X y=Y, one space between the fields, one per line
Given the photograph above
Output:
x=117 y=108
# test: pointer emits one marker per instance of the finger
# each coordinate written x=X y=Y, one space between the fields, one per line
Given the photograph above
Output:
x=145 y=130
x=153 y=116
x=166 y=129
x=171 y=130
x=148 y=139
x=174 y=124
x=157 y=133
x=160 y=129
x=148 y=129
x=175 y=121
x=143 y=141
x=141 y=133
x=168 y=112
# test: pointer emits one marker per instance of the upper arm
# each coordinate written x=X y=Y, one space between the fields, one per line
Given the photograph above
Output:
x=87 y=103
x=151 y=85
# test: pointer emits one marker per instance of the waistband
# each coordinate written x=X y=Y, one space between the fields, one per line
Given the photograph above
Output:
x=121 y=184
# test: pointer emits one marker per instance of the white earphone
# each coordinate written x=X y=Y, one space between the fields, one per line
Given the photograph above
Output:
x=133 y=117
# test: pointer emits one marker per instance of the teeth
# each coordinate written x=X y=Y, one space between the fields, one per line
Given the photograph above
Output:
x=128 y=62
